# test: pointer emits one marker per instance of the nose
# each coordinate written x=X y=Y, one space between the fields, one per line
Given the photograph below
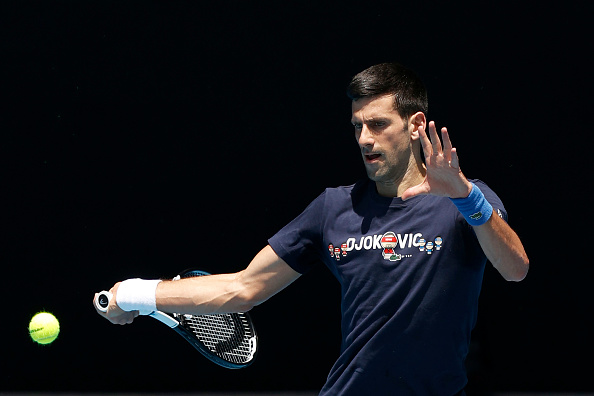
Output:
x=364 y=137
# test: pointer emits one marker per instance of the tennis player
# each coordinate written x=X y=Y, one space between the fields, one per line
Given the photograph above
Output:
x=408 y=244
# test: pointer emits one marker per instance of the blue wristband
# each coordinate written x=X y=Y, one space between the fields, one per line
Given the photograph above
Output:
x=475 y=208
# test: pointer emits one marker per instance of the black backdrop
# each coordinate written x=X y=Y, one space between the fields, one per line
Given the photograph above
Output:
x=141 y=138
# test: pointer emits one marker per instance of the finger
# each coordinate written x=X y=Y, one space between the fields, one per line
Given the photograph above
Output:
x=133 y=315
x=447 y=144
x=435 y=142
x=455 y=163
x=123 y=318
x=425 y=142
x=413 y=191
x=128 y=318
x=95 y=304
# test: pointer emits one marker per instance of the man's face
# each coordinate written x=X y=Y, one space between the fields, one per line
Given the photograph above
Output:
x=383 y=137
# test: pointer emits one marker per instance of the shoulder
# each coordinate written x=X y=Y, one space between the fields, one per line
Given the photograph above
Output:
x=331 y=199
x=481 y=184
x=337 y=199
x=491 y=197
x=347 y=192
x=486 y=190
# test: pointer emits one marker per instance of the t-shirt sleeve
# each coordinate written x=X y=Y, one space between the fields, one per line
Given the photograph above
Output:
x=298 y=243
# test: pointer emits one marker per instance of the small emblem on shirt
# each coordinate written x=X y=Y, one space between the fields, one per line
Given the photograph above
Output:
x=388 y=242
x=337 y=252
x=438 y=242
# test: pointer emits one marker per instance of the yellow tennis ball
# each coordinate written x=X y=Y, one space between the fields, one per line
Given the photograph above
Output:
x=44 y=328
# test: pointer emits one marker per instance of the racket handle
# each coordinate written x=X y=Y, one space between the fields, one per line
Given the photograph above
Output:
x=102 y=300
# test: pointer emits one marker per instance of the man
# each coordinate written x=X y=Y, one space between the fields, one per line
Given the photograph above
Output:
x=408 y=245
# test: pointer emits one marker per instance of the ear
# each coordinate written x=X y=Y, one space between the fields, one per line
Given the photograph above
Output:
x=414 y=122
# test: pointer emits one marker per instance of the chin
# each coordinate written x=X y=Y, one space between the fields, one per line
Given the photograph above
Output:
x=374 y=176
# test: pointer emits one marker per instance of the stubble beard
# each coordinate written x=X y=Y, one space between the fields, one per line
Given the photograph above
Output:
x=392 y=172
x=387 y=174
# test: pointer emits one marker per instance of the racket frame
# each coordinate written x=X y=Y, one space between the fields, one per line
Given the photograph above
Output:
x=104 y=297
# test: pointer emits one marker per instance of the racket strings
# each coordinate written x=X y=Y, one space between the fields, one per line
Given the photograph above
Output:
x=229 y=336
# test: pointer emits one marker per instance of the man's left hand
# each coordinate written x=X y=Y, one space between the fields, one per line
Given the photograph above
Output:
x=443 y=175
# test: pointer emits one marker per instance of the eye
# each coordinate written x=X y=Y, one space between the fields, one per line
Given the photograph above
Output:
x=379 y=124
x=358 y=126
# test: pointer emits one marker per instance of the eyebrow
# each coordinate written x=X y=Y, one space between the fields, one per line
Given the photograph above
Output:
x=369 y=120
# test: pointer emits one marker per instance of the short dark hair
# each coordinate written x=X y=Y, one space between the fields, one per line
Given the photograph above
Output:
x=391 y=79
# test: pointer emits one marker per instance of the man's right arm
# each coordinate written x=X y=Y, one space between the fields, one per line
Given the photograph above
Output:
x=265 y=276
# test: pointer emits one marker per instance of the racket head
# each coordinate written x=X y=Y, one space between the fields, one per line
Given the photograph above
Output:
x=229 y=340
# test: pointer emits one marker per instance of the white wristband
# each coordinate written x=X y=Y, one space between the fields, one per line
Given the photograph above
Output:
x=138 y=295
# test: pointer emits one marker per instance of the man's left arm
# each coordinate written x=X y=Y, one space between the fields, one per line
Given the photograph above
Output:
x=499 y=242
x=503 y=248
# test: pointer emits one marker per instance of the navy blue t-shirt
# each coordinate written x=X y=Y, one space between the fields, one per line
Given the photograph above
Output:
x=410 y=275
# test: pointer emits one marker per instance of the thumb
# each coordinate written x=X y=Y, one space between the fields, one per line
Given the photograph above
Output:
x=413 y=191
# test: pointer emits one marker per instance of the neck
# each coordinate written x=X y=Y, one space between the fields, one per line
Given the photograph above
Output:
x=413 y=175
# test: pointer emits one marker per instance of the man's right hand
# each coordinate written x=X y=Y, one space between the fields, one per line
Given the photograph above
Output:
x=114 y=313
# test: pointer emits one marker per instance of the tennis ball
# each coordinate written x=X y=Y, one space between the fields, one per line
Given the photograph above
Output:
x=44 y=328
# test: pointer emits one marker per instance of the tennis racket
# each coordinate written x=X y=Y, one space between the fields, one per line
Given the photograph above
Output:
x=228 y=340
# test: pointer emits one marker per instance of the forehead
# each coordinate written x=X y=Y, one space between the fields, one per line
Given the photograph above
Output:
x=373 y=107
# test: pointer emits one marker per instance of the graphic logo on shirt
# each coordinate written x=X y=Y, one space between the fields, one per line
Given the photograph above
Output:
x=337 y=252
x=393 y=246
x=388 y=242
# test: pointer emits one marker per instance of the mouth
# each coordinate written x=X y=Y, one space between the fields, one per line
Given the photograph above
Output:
x=371 y=157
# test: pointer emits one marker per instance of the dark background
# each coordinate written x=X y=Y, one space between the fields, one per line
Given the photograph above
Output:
x=142 y=138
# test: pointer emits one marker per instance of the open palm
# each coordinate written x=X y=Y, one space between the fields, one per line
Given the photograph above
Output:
x=443 y=177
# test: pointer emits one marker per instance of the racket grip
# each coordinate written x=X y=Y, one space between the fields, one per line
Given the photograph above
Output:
x=102 y=300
